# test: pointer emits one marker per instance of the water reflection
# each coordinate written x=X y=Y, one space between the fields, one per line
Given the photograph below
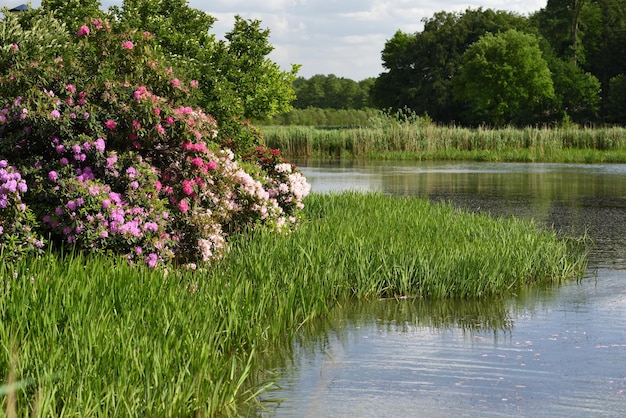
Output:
x=558 y=352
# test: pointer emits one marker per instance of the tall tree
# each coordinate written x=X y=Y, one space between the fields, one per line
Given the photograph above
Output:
x=236 y=77
x=504 y=78
x=73 y=12
x=331 y=92
x=420 y=67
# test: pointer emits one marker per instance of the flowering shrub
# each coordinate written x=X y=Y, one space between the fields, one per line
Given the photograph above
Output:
x=17 y=222
x=118 y=159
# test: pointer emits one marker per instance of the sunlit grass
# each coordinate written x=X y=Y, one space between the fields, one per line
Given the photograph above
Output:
x=94 y=336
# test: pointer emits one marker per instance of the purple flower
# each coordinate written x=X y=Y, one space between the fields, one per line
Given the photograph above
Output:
x=151 y=260
x=53 y=176
x=99 y=144
x=55 y=114
x=71 y=205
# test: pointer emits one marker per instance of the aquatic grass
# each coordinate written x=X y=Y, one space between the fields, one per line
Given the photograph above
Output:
x=370 y=245
x=418 y=141
x=95 y=336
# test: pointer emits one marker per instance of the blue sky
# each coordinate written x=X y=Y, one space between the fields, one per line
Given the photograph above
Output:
x=341 y=37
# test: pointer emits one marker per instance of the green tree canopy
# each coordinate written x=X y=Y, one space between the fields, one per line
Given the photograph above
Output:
x=331 y=92
x=504 y=78
x=236 y=78
x=421 y=66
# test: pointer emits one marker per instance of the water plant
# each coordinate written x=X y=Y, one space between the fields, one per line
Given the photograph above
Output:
x=418 y=141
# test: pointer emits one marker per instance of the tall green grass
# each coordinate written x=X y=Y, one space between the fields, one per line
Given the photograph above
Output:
x=417 y=140
x=93 y=336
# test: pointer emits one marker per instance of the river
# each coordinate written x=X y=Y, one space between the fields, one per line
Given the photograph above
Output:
x=553 y=352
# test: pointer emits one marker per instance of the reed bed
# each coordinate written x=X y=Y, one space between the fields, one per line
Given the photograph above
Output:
x=93 y=336
x=429 y=141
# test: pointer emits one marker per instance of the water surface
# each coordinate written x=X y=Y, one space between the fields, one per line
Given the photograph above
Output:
x=547 y=352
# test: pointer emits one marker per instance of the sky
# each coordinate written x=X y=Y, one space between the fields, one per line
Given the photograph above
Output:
x=340 y=37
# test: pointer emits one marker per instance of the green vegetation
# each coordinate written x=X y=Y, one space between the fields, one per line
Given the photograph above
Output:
x=579 y=42
x=117 y=159
x=417 y=139
x=93 y=336
x=324 y=117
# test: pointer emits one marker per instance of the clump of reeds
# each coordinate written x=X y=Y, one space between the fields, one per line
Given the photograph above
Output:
x=420 y=140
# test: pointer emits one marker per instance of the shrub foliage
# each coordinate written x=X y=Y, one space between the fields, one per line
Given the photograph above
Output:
x=115 y=154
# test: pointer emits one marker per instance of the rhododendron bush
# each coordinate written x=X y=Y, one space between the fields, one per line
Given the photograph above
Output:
x=102 y=147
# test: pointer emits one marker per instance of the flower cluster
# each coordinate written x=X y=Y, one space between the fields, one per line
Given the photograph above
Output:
x=117 y=162
x=17 y=236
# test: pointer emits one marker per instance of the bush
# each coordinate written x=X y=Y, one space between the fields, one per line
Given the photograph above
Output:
x=119 y=159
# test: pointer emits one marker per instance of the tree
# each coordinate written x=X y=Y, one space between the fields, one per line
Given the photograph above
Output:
x=420 y=67
x=504 y=78
x=331 y=92
x=616 y=103
x=560 y=24
x=236 y=77
x=592 y=34
x=577 y=93
x=73 y=13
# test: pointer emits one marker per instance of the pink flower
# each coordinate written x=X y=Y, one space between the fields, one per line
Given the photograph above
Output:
x=194 y=83
x=110 y=124
x=70 y=88
x=175 y=83
x=160 y=129
x=197 y=162
x=83 y=31
x=211 y=165
x=53 y=175
x=14 y=48
x=169 y=120
x=128 y=45
x=183 y=206
x=55 y=114
x=187 y=187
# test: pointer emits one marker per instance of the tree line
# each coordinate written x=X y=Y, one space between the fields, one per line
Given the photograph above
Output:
x=565 y=62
